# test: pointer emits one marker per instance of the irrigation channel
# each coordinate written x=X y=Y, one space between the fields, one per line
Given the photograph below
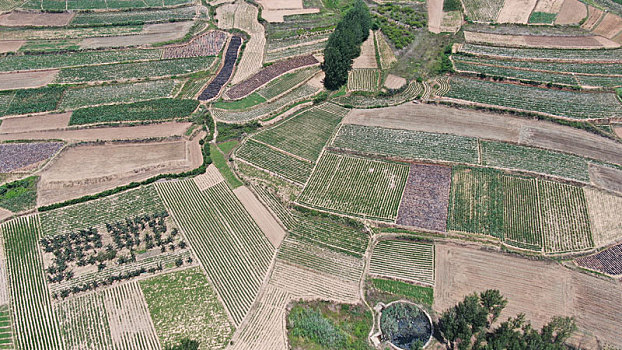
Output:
x=231 y=56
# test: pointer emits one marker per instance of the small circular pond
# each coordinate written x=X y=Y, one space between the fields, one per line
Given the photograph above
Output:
x=405 y=325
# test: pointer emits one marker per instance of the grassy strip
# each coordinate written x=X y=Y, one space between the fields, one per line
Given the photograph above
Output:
x=227 y=146
x=165 y=108
x=19 y=195
x=221 y=163
x=413 y=292
x=248 y=101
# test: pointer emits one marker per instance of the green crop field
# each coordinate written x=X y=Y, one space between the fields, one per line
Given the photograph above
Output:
x=542 y=54
x=6 y=328
x=521 y=212
x=403 y=260
x=330 y=234
x=30 y=101
x=71 y=59
x=125 y=17
x=229 y=244
x=406 y=144
x=363 y=79
x=399 y=289
x=286 y=82
x=106 y=94
x=356 y=186
x=154 y=110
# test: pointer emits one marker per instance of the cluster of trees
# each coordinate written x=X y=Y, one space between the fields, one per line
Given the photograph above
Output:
x=184 y=344
x=344 y=45
x=468 y=325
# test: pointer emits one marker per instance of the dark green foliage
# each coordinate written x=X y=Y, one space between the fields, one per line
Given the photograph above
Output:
x=467 y=326
x=235 y=131
x=446 y=65
x=400 y=35
x=34 y=100
x=185 y=344
x=19 y=195
x=405 y=325
x=161 y=109
x=452 y=5
x=310 y=324
x=404 y=14
x=344 y=45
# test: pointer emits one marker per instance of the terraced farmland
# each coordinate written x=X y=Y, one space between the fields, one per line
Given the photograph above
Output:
x=330 y=234
x=521 y=213
x=229 y=244
x=356 y=186
x=403 y=260
x=542 y=54
x=84 y=322
x=90 y=96
x=6 y=328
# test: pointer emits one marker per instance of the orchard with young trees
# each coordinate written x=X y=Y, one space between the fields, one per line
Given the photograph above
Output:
x=344 y=44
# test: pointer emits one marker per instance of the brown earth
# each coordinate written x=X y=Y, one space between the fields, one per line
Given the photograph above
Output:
x=606 y=177
x=605 y=212
x=281 y=4
x=367 y=59
x=35 y=19
x=571 y=13
x=34 y=123
x=151 y=34
x=90 y=169
x=594 y=15
x=266 y=222
x=276 y=16
x=11 y=45
x=516 y=11
x=618 y=131
x=5 y=214
x=540 y=41
x=210 y=178
x=435 y=15
x=539 y=289
x=26 y=80
x=548 y=6
x=609 y=27
x=394 y=82
x=93 y=134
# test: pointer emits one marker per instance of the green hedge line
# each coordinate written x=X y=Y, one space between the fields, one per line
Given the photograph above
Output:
x=165 y=108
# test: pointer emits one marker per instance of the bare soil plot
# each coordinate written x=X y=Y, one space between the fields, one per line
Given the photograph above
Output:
x=367 y=59
x=548 y=6
x=605 y=211
x=540 y=41
x=208 y=44
x=606 y=177
x=609 y=27
x=35 y=123
x=426 y=197
x=252 y=58
x=276 y=16
x=26 y=80
x=102 y=134
x=210 y=178
x=151 y=34
x=281 y=4
x=594 y=16
x=90 y=169
x=571 y=13
x=394 y=82
x=35 y=19
x=11 y=45
x=516 y=11
x=266 y=222
x=435 y=15
x=540 y=289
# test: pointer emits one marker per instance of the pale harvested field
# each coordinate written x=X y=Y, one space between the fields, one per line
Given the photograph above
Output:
x=516 y=11
x=276 y=16
x=606 y=177
x=26 y=80
x=34 y=123
x=90 y=169
x=225 y=15
x=36 y=19
x=11 y=45
x=266 y=222
x=394 y=82
x=549 y=6
x=540 y=289
x=571 y=12
x=274 y=10
x=151 y=34
x=281 y=4
x=470 y=123
x=4 y=281
x=618 y=131
x=211 y=178
x=605 y=212
x=5 y=214
x=540 y=41
x=100 y=133
x=609 y=27
x=252 y=58
x=367 y=59
x=594 y=15
x=435 y=15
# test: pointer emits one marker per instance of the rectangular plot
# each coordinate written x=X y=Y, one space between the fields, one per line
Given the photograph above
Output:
x=106 y=94
x=272 y=160
x=330 y=234
x=404 y=260
x=363 y=79
x=521 y=212
x=411 y=145
x=565 y=218
x=356 y=186
x=426 y=197
x=476 y=203
x=84 y=322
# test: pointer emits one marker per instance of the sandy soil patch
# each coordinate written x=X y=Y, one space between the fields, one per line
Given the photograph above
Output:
x=26 y=80
x=618 y=131
x=609 y=27
x=594 y=16
x=605 y=216
x=367 y=59
x=36 y=19
x=35 y=123
x=11 y=45
x=606 y=177
x=540 y=289
x=435 y=15
x=266 y=222
x=151 y=34
x=103 y=134
x=571 y=12
x=516 y=11
x=4 y=281
x=211 y=178
x=3 y=215
x=90 y=169
x=276 y=16
x=394 y=82
x=225 y=15
x=548 y=6
x=540 y=41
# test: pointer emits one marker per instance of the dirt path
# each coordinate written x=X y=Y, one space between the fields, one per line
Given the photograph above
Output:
x=266 y=222
x=435 y=15
x=26 y=80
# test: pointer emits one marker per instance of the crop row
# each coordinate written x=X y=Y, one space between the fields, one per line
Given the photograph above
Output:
x=56 y=5
x=124 y=17
x=30 y=101
x=543 y=54
x=521 y=212
x=356 y=186
x=305 y=39
x=570 y=104
x=229 y=244
x=412 y=91
x=608 y=261
x=224 y=74
x=121 y=93
x=281 y=54
x=485 y=11
x=208 y=44
x=274 y=161
x=6 y=328
x=160 y=109
x=519 y=74
x=404 y=260
x=363 y=79
x=286 y=82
